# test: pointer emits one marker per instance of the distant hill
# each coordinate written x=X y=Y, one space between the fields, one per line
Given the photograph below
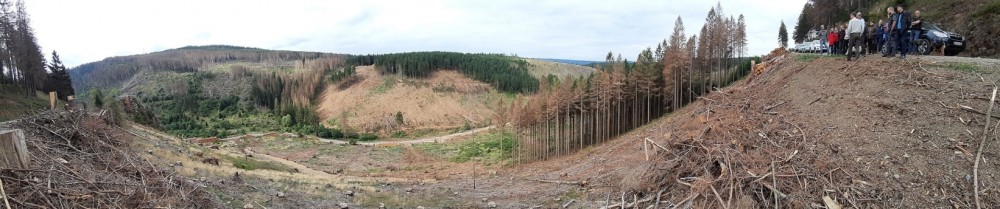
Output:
x=543 y=68
x=569 y=61
x=113 y=71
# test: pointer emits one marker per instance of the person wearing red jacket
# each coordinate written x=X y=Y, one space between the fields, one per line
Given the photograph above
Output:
x=832 y=39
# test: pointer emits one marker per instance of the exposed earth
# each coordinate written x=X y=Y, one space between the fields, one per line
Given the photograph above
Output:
x=874 y=133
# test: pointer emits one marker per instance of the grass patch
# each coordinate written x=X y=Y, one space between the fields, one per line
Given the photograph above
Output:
x=387 y=83
x=17 y=104
x=494 y=147
x=964 y=67
x=811 y=57
x=253 y=164
x=993 y=9
x=806 y=57
x=372 y=200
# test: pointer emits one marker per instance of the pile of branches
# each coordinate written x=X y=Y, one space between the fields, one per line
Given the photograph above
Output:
x=737 y=153
x=80 y=161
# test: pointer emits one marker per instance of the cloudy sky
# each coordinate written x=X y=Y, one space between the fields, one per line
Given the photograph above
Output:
x=87 y=31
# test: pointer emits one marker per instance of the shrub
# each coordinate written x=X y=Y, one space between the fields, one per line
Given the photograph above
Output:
x=367 y=137
x=399 y=134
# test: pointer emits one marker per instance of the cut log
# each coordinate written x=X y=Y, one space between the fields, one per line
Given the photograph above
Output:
x=13 y=151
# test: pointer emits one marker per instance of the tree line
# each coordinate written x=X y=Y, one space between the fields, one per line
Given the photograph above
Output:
x=573 y=113
x=21 y=60
x=112 y=71
x=506 y=73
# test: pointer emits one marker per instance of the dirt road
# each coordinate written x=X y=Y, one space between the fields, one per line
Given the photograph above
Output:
x=436 y=139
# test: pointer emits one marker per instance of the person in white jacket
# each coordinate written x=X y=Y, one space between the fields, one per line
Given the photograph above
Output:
x=854 y=29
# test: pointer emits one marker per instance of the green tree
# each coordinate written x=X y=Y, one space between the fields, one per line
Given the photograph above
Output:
x=97 y=97
x=59 y=80
x=803 y=26
x=782 y=35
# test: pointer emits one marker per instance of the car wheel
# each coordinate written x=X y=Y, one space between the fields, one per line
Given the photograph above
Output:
x=923 y=46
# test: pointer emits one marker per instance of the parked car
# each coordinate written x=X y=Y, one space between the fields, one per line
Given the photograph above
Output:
x=933 y=37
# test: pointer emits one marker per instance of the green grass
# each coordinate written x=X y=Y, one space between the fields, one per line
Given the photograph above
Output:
x=387 y=83
x=993 y=9
x=494 y=147
x=16 y=104
x=811 y=57
x=372 y=200
x=253 y=164
x=964 y=67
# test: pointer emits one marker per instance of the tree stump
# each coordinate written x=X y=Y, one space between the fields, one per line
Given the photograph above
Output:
x=13 y=151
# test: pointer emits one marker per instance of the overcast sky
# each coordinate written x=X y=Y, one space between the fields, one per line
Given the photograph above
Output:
x=87 y=31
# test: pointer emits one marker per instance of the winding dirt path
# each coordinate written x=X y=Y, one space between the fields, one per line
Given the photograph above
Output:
x=304 y=174
x=436 y=139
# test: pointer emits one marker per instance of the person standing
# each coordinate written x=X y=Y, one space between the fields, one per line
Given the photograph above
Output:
x=842 y=43
x=916 y=28
x=890 y=33
x=854 y=29
x=870 y=38
x=902 y=26
x=879 y=36
x=831 y=40
x=822 y=36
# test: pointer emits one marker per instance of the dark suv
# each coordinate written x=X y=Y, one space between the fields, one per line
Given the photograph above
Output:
x=933 y=37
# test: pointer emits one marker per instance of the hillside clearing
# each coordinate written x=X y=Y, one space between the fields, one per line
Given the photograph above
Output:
x=444 y=101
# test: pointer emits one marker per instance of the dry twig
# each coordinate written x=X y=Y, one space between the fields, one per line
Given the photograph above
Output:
x=979 y=154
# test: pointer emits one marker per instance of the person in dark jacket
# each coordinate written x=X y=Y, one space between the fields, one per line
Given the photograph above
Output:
x=901 y=30
x=842 y=43
x=870 y=38
x=890 y=38
x=916 y=28
x=879 y=35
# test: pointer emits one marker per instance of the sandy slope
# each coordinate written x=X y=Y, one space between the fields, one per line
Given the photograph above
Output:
x=444 y=100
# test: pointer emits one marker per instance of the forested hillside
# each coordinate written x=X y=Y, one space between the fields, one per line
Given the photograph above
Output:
x=570 y=113
x=112 y=71
x=22 y=64
x=506 y=73
x=202 y=91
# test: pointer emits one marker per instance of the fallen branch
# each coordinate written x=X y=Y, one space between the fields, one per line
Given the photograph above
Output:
x=4 y=193
x=815 y=100
x=774 y=105
x=969 y=109
x=830 y=203
x=581 y=183
x=979 y=154
x=623 y=204
x=567 y=204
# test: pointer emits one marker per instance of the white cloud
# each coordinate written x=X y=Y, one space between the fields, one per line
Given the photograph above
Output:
x=86 y=31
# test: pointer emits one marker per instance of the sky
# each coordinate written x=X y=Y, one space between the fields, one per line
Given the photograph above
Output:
x=88 y=31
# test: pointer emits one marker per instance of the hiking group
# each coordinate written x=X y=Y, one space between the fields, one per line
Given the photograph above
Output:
x=890 y=36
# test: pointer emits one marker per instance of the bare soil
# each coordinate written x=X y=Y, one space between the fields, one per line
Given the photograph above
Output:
x=875 y=133
x=444 y=100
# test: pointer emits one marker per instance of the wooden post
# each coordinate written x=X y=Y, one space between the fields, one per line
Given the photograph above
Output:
x=13 y=151
x=52 y=100
x=69 y=102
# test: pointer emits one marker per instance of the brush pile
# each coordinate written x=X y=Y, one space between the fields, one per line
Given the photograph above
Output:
x=80 y=161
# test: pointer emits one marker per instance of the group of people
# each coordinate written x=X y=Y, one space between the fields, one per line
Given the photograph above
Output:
x=891 y=37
